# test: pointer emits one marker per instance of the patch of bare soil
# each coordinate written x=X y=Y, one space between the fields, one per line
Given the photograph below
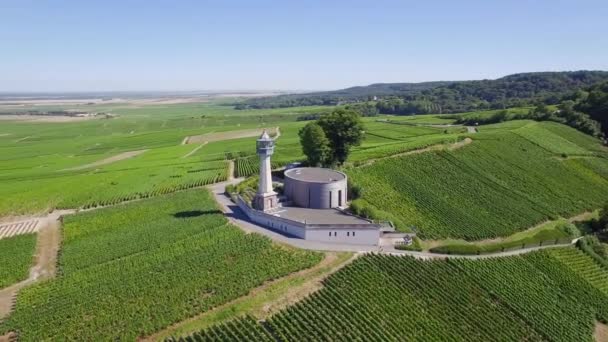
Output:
x=46 y=118
x=601 y=332
x=109 y=160
x=244 y=133
x=230 y=170
x=194 y=150
x=10 y=337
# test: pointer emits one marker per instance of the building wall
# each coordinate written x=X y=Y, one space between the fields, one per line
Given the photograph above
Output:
x=287 y=227
x=345 y=234
x=316 y=195
x=355 y=236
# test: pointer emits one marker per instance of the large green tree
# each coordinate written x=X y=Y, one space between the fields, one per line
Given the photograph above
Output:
x=344 y=129
x=596 y=105
x=315 y=144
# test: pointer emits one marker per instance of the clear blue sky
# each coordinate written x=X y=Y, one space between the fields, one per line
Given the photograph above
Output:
x=203 y=45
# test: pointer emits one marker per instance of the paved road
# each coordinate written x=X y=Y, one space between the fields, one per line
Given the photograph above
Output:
x=238 y=218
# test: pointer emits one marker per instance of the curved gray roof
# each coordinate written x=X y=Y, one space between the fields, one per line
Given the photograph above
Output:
x=315 y=175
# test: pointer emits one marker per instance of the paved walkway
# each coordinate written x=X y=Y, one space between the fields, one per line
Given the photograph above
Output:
x=236 y=216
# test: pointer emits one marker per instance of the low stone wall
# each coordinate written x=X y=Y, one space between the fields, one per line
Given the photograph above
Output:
x=358 y=234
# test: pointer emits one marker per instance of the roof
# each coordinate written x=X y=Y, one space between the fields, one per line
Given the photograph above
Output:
x=264 y=136
x=320 y=216
x=315 y=174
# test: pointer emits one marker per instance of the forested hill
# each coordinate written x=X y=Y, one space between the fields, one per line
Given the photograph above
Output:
x=448 y=96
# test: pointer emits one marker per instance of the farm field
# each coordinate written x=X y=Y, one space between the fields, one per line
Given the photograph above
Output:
x=133 y=269
x=138 y=154
x=501 y=183
x=17 y=255
x=534 y=297
x=79 y=164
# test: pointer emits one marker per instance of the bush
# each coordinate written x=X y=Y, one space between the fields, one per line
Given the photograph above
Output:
x=354 y=190
x=415 y=246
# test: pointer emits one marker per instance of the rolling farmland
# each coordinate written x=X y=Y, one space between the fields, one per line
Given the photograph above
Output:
x=534 y=297
x=134 y=269
x=500 y=184
x=131 y=270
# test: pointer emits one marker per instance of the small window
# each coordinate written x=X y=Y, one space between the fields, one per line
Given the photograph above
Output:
x=353 y=233
x=335 y=233
x=347 y=233
x=329 y=233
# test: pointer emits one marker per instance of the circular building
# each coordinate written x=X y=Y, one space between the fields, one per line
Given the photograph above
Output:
x=314 y=187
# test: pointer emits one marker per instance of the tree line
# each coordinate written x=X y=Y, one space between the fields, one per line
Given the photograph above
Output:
x=526 y=89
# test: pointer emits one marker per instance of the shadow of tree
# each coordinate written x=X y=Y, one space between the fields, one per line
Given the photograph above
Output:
x=195 y=213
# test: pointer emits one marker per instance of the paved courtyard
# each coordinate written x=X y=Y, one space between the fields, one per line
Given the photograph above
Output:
x=317 y=216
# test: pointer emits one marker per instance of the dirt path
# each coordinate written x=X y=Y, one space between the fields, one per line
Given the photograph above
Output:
x=228 y=135
x=264 y=300
x=230 y=170
x=47 y=247
x=449 y=147
x=109 y=160
x=331 y=263
x=601 y=332
x=194 y=150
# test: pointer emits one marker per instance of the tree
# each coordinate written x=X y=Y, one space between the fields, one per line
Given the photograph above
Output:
x=596 y=105
x=344 y=130
x=315 y=144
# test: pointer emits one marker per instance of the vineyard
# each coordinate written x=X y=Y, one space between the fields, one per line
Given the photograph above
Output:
x=500 y=184
x=131 y=270
x=388 y=298
x=16 y=253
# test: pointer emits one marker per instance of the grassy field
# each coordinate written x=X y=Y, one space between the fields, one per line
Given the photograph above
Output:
x=17 y=254
x=503 y=182
x=131 y=270
x=547 y=295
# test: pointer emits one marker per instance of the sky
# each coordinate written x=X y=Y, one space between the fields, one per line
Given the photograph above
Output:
x=58 y=46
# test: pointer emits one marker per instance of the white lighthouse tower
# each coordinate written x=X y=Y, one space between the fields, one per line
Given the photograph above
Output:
x=265 y=199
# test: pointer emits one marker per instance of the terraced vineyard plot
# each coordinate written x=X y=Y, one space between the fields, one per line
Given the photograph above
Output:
x=583 y=140
x=584 y=267
x=499 y=184
x=16 y=255
x=131 y=270
x=388 y=298
x=157 y=171
x=545 y=138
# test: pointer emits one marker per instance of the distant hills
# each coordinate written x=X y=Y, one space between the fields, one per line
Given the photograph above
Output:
x=515 y=90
